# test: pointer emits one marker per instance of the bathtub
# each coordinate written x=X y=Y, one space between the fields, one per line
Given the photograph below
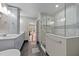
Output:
x=11 y=41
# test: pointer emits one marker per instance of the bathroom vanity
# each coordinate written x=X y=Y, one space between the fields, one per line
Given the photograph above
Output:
x=62 y=46
x=11 y=41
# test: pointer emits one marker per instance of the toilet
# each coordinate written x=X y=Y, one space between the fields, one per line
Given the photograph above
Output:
x=10 y=52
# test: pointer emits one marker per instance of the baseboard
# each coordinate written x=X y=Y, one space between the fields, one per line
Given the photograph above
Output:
x=23 y=44
x=39 y=45
x=37 y=42
x=47 y=54
x=44 y=53
x=25 y=41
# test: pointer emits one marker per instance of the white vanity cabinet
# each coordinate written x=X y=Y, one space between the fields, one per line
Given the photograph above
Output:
x=19 y=41
x=62 y=46
x=11 y=41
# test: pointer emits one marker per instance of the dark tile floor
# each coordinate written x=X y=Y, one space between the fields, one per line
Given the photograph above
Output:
x=30 y=49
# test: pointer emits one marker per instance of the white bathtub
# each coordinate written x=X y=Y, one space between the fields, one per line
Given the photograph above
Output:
x=11 y=41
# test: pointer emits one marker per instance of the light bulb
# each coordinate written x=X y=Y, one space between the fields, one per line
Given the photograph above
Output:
x=5 y=10
x=57 y=6
x=9 y=12
x=62 y=20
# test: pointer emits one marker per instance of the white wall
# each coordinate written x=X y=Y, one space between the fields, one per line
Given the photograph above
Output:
x=71 y=20
x=3 y=24
x=67 y=26
x=13 y=20
x=10 y=23
x=24 y=23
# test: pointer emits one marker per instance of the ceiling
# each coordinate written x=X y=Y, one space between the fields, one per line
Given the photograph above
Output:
x=33 y=9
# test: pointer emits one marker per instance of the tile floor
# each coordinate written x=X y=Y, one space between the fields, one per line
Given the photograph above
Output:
x=30 y=49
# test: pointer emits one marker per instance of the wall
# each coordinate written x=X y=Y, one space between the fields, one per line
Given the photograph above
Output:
x=66 y=21
x=59 y=22
x=71 y=20
x=24 y=23
x=13 y=20
x=9 y=23
x=3 y=24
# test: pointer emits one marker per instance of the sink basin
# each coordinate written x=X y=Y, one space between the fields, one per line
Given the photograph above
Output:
x=3 y=34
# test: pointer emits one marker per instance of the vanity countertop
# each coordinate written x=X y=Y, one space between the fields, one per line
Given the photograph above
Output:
x=9 y=36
